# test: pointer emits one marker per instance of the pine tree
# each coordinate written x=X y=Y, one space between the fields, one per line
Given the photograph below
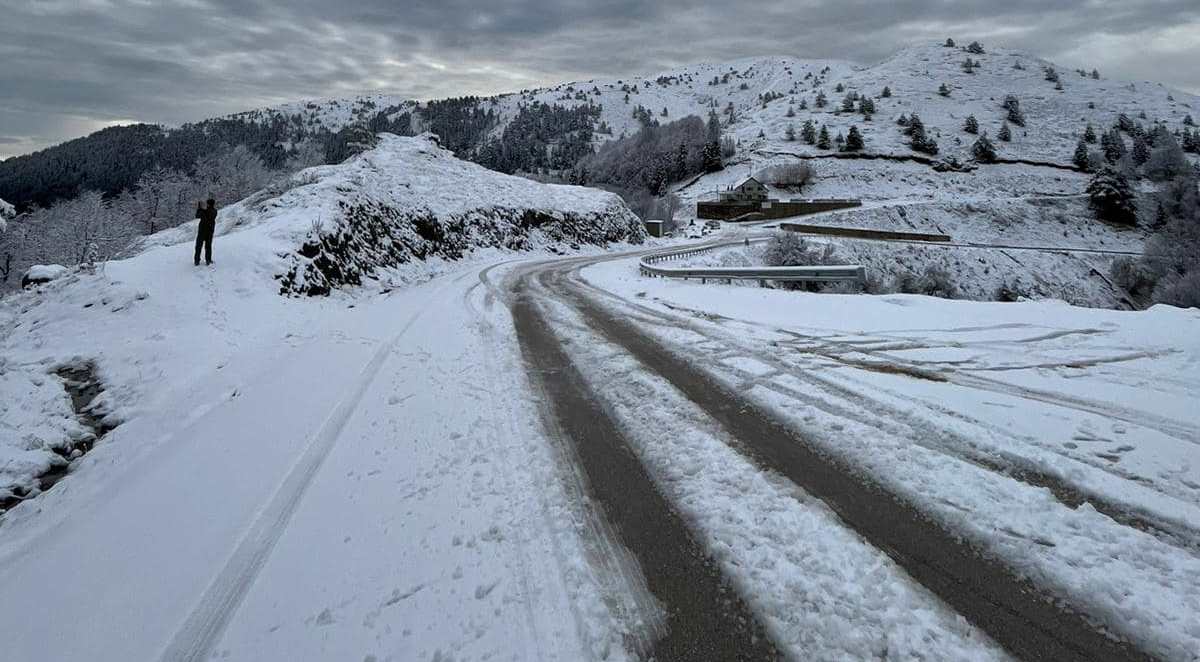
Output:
x=808 y=133
x=1013 y=106
x=1080 y=159
x=790 y=133
x=1141 y=150
x=919 y=141
x=1095 y=74
x=821 y=100
x=1089 y=135
x=968 y=65
x=1160 y=216
x=983 y=150
x=949 y=43
x=710 y=157
x=840 y=88
x=823 y=138
x=1111 y=197
x=975 y=48
x=971 y=125
x=791 y=112
x=866 y=106
x=840 y=140
x=1188 y=121
x=914 y=126
x=1004 y=134
x=804 y=104
x=1113 y=145
x=854 y=140
x=681 y=168
x=761 y=134
x=944 y=90
x=848 y=104
x=887 y=92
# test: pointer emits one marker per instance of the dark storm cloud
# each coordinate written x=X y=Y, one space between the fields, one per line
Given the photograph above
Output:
x=68 y=67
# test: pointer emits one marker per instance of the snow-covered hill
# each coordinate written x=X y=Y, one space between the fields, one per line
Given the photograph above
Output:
x=403 y=201
x=1055 y=118
x=402 y=212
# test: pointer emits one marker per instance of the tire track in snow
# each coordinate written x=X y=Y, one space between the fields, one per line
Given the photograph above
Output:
x=705 y=618
x=204 y=625
x=1014 y=612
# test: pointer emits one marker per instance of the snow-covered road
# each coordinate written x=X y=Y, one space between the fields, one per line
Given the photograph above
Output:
x=366 y=483
x=398 y=476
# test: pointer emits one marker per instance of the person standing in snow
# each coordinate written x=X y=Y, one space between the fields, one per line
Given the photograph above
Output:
x=204 y=233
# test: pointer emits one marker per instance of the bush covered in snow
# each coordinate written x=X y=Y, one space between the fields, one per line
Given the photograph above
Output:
x=790 y=176
x=933 y=281
x=1112 y=197
x=1170 y=268
x=788 y=249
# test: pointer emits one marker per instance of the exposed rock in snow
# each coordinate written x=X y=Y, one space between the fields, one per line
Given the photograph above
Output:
x=7 y=211
x=42 y=273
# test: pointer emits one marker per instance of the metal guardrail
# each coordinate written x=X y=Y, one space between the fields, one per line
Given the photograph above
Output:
x=828 y=274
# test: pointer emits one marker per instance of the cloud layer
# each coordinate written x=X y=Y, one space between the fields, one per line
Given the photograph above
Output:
x=69 y=67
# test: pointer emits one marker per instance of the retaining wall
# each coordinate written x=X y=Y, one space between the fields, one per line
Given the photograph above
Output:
x=728 y=211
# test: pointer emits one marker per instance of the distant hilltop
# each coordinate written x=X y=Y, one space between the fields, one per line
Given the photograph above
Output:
x=958 y=92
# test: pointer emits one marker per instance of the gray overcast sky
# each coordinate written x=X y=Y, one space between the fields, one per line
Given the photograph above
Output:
x=69 y=67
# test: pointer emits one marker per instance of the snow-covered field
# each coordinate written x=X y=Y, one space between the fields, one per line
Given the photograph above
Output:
x=1062 y=439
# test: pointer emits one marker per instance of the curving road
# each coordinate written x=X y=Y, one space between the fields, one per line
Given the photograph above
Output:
x=1027 y=620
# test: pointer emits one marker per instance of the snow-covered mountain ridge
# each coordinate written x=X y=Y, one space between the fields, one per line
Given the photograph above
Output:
x=762 y=90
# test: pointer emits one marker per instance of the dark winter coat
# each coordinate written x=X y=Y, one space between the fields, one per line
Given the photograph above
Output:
x=208 y=221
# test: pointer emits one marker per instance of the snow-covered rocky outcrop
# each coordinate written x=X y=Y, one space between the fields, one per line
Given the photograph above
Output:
x=7 y=211
x=405 y=200
x=409 y=199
